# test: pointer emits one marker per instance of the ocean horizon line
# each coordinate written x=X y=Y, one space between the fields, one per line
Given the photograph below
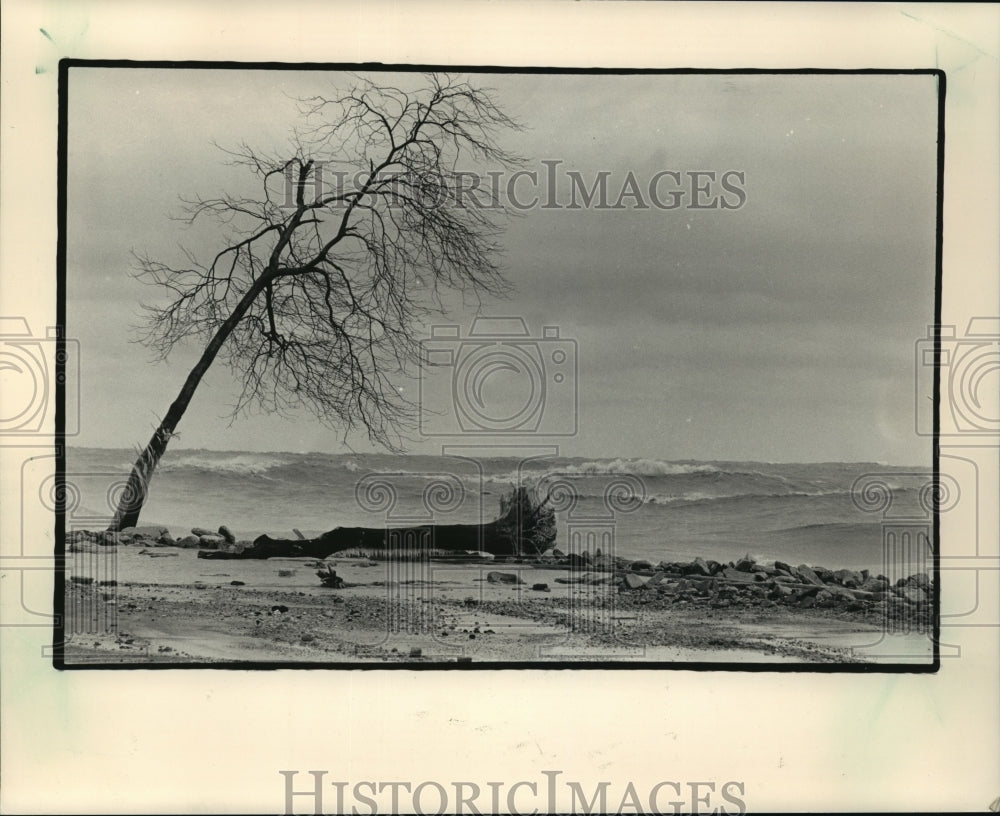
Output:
x=575 y=456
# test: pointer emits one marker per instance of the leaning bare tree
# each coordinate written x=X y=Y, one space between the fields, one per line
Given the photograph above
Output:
x=320 y=289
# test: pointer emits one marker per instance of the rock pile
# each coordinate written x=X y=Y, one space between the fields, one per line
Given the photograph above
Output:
x=149 y=536
x=747 y=583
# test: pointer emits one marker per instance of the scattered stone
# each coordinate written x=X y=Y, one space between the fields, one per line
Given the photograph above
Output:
x=286 y=573
x=307 y=638
x=920 y=580
x=210 y=541
x=540 y=587
x=746 y=564
x=781 y=566
x=237 y=583
x=189 y=542
x=633 y=581
x=227 y=534
x=503 y=578
x=201 y=531
x=165 y=540
x=635 y=566
x=281 y=609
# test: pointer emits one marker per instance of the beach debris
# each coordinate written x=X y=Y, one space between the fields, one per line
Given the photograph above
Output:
x=154 y=554
x=526 y=525
x=329 y=578
x=298 y=534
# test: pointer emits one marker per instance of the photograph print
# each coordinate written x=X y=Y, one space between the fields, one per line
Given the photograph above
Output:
x=433 y=367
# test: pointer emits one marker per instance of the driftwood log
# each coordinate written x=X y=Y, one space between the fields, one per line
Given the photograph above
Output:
x=525 y=526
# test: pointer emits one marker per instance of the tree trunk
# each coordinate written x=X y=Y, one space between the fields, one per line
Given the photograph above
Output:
x=134 y=496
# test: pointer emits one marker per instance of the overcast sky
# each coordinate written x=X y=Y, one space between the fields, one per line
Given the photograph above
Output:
x=781 y=330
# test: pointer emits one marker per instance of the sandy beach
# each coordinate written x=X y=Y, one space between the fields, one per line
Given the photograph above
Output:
x=166 y=605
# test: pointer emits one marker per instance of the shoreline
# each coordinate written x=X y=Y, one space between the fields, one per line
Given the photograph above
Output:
x=141 y=605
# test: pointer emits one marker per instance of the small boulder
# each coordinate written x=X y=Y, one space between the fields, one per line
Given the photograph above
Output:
x=920 y=580
x=698 y=567
x=503 y=578
x=848 y=578
x=201 y=531
x=211 y=541
x=633 y=581
x=540 y=587
x=226 y=534
x=807 y=576
x=635 y=566
x=746 y=564
x=781 y=566
x=738 y=576
x=189 y=542
x=879 y=584
x=914 y=594
x=150 y=531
